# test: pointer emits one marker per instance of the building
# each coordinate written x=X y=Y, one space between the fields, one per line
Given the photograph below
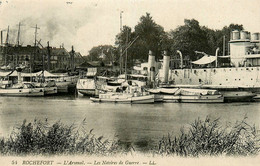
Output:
x=34 y=58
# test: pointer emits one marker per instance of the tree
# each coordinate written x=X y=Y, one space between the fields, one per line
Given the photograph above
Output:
x=151 y=36
x=189 y=38
x=104 y=53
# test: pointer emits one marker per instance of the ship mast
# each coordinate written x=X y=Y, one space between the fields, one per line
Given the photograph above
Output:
x=35 y=48
x=121 y=50
x=126 y=56
x=19 y=33
x=224 y=45
x=6 y=44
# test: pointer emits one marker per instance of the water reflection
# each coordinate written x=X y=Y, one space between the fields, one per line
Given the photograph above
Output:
x=140 y=126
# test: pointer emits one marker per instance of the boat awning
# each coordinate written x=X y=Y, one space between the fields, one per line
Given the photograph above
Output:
x=46 y=74
x=206 y=59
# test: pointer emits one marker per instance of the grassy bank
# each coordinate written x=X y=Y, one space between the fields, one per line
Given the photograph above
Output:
x=201 y=138
x=208 y=137
x=41 y=138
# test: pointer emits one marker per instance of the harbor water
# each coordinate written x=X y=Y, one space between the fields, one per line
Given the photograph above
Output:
x=140 y=126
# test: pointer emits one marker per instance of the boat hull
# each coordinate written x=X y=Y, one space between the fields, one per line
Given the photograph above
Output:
x=50 y=90
x=87 y=92
x=193 y=99
x=22 y=92
x=238 y=96
x=62 y=87
x=128 y=100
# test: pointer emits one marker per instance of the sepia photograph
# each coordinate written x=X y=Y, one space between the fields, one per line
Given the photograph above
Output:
x=129 y=82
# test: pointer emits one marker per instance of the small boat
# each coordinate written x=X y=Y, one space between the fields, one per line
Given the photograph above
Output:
x=238 y=96
x=20 y=90
x=86 y=86
x=49 y=87
x=187 y=95
x=234 y=93
x=256 y=98
x=124 y=98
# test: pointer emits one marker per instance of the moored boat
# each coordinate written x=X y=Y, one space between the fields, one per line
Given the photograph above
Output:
x=124 y=98
x=49 y=87
x=183 y=95
x=21 y=90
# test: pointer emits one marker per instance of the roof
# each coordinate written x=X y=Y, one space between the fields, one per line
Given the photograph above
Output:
x=85 y=65
x=46 y=74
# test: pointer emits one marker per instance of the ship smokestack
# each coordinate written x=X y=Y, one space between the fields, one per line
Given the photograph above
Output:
x=19 y=74
x=151 y=66
x=72 y=59
x=166 y=63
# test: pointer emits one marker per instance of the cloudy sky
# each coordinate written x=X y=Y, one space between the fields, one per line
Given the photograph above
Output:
x=88 y=23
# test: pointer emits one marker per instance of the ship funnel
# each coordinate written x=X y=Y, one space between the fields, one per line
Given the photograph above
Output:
x=255 y=36
x=235 y=35
x=244 y=35
x=166 y=63
x=19 y=74
x=151 y=66
x=181 y=58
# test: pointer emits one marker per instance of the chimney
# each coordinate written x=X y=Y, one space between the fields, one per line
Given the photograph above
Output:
x=72 y=59
x=151 y=66
x=166 y=63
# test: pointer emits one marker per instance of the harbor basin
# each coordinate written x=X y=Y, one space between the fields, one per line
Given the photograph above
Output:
x=138 y=125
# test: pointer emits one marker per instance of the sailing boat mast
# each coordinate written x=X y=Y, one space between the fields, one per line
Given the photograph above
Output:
x=18 y=35
x=6 y=44
x=224 y=45
x=121 y=49
x=35 y=48
x=126 y=56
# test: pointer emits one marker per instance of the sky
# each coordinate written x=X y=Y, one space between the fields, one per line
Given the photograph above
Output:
x=88 y=23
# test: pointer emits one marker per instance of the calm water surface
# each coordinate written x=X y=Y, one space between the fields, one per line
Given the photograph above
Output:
x=139 y=125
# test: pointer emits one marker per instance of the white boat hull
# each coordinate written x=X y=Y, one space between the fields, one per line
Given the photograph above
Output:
x=193 y=99
x=50 y=90
x=62 y=87
x=148 y=99
x=22 y=92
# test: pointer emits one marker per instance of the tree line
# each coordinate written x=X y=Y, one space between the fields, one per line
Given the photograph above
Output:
x=187 y=38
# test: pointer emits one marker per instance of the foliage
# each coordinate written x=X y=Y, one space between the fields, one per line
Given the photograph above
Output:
x=187 y=38
x=41 y=138
x=209 y=138
x=105 y=53
x=203 y=137
x=151 y=37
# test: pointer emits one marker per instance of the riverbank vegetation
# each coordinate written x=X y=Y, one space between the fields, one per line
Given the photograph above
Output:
x=202 y=138
x=41 y=138
x=208 y=137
